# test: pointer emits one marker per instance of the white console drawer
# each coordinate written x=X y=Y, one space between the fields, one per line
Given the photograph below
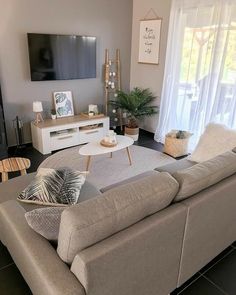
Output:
x=63 y=141
x=91 y=135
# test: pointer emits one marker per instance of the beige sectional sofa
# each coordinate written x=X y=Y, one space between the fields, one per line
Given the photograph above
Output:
x=147 y=235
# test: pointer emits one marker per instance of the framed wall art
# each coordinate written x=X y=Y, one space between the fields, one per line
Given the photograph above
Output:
x=149 y=41
x=63 y=104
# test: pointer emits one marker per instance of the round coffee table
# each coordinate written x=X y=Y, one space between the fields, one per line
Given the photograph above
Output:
x=95 y=148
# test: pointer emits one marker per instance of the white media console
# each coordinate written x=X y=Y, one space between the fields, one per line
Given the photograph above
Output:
x=51 y=135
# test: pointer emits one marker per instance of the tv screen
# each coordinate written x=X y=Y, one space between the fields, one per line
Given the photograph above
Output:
x=61 y=57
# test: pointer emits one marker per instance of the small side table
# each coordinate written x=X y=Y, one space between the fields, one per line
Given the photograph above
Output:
x=13 y=165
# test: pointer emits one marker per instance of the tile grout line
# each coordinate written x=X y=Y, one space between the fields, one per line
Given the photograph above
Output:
x=202 y=273
x=214 y=284
x=6 y=266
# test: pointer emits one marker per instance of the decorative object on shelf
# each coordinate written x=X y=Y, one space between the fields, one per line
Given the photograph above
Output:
x=176 y=143
x=149 y=39
x=53 y=114
x=63 y=104
x=92 y=109
x=112 y=84
x=136 y=105
x=19 y=132
x=38 y=109
x=89 y=116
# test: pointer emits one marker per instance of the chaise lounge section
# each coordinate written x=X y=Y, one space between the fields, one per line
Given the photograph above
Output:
x=145 y=236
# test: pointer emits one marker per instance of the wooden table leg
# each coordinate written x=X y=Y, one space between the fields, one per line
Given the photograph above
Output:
x=4 y=176
x=111 y=155
x=23 y=172
x=129 y=156
x=88 y=163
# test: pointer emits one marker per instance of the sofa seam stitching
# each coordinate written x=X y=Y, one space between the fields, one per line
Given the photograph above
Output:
x=184 y=235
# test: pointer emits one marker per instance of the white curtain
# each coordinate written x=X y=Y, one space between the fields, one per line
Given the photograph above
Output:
x=200 y=72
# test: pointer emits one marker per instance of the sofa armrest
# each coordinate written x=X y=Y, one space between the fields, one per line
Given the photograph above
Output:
x=142 y=259
x=37 y=260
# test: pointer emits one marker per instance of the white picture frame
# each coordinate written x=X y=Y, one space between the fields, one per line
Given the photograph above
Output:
x=149 y=41
x=63 y=104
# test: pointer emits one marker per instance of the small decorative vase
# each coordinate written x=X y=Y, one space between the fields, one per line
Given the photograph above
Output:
x=53 y=116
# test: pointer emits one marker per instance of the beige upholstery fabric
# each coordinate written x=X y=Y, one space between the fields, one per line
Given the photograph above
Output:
x=140 y=260
x=37 y=260
x=128 y=180
x=194 y=179
x=176 y=166
x=210 y=226
x=92 y=221
x=10 y=189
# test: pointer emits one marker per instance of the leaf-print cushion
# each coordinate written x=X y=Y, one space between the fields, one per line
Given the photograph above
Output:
x=54 y=187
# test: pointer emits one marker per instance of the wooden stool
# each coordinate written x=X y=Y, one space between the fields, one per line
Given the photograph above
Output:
x=13 y=165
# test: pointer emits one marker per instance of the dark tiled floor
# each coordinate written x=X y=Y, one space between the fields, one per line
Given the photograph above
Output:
x=217 y=278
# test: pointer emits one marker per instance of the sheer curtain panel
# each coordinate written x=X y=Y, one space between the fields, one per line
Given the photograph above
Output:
x=200 y=74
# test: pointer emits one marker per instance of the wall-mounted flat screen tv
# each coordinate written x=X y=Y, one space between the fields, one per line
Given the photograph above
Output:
x=61 y=57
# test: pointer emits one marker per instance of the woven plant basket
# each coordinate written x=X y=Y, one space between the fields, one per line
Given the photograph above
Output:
x=176 y=147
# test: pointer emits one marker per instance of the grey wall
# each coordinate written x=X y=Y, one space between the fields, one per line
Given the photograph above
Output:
x=109 y=20
x=145 y=75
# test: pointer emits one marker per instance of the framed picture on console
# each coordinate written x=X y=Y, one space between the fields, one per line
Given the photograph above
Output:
x=63 y=103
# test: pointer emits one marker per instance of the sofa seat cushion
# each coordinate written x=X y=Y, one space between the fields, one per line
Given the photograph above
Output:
x=90 y=222
x=134 y=178
x=200 y=176
x=10 y=189
x=176 y=166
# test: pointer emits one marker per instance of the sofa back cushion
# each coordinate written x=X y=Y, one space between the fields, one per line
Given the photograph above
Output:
x=92 y=221
x=200 y=176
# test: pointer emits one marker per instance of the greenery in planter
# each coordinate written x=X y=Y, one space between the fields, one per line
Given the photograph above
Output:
x=136 y=104
x=53 y=112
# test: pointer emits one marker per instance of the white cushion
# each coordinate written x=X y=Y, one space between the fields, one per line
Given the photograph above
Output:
x=216 y=139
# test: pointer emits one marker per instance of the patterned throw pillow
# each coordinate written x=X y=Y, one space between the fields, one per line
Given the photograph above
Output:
x=54 y=187
x=45 y=221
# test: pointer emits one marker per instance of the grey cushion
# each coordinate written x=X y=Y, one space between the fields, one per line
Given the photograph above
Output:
x=45 y=221
x=134 y=178
x=200 y=176
x=176 y=166
x=92 y=221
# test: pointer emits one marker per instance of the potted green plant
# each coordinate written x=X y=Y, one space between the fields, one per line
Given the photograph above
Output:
x=53 y=114
x=136 y=105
